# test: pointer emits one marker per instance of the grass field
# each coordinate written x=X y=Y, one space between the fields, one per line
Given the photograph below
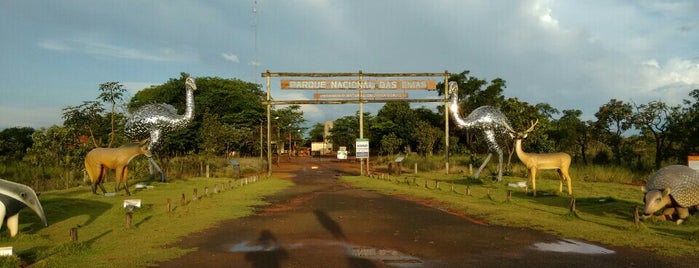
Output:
x=104 y=240
x=604 y=211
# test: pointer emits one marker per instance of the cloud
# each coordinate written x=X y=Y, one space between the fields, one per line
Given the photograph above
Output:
x=230 y=57
x=673 y=79
x=102 y=49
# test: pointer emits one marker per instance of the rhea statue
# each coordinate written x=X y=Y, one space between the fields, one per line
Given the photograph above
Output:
x=154 y=121
x=487 y=119
x=13 y=198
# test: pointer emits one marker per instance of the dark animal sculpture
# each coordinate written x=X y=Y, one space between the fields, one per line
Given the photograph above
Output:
x=153 y=121
x=487 y=119
x=13 y=198
x=673 y=189
x=98 y=160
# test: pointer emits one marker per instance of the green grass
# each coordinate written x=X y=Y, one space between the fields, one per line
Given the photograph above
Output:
x=604 y=211
x=104 y=240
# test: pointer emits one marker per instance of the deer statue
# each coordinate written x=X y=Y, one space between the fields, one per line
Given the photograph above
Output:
x=98 y=160
x=558 y=161
x=487 y=119
x=153 y=121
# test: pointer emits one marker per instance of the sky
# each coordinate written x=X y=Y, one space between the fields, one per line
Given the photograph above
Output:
x=569 y=54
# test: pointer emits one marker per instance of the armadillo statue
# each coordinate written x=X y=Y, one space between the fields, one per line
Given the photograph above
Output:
x=672 y=188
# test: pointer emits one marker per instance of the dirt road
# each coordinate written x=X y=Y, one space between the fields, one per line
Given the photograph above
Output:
x=321 y=222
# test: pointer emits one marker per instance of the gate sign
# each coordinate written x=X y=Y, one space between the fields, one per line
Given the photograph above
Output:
x=362 y=146
x=356 y=84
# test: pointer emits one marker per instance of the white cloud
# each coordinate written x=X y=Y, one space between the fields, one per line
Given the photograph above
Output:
x=671 y=81
x=102 y=49
x=230 y=57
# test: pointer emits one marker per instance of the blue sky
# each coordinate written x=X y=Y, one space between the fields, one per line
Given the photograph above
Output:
x=569 y=54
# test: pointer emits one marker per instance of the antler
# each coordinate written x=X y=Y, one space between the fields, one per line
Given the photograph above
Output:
x=509 y=128
x=532 y=127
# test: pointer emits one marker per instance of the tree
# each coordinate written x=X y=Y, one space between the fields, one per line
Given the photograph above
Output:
x=654 y=120
x=111 y=92
x=15 y=141
x=56 y=147
x=571 y=133
x=426 y=136
x=345 y=130
x=317 y=132
x=86 y=117
x=390 y=144
x=613 y=119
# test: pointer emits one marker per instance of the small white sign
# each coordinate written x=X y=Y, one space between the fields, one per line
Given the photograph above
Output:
x=362 y=146
x=5 y=251
x=132 y=203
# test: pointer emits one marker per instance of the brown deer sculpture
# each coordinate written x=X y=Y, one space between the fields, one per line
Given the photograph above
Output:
x=559 y=161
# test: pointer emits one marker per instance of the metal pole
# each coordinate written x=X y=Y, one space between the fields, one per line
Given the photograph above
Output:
x=269 y=126
x=289 y=142
x=361 y=122
x=446 y=118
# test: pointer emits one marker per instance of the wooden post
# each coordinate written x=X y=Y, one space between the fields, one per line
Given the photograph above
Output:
x=74 y=234
x=207 y=170
x=572 y=204
x=468 y=190
x=509 y=195
x=129 y=216
x=415 y=168
x=636 y=218
x=436 y=185
x=183 y=201
x=169 y=205
x=195 y=196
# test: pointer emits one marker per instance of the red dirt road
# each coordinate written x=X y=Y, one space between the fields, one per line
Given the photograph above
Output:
x=321 y=222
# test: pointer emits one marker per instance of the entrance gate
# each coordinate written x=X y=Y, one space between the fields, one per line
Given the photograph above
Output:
x=376 y=83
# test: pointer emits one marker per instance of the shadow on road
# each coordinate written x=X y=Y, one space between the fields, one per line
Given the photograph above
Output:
x=270 y=255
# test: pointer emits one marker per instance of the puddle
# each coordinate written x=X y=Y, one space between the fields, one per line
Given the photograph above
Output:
x=571 y=246
x=245 y=246
x=389 y=257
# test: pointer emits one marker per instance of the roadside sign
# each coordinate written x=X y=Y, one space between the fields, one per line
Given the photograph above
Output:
x=693 y=162
x=362 y=146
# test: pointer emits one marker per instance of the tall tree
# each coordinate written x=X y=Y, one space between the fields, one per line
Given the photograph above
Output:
x=111 y=92
x=654 y=120
x=571 y=134
x=426 y=136
x=613 y=119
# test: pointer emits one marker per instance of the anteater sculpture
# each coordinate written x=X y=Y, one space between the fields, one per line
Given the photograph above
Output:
x=13 y=198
